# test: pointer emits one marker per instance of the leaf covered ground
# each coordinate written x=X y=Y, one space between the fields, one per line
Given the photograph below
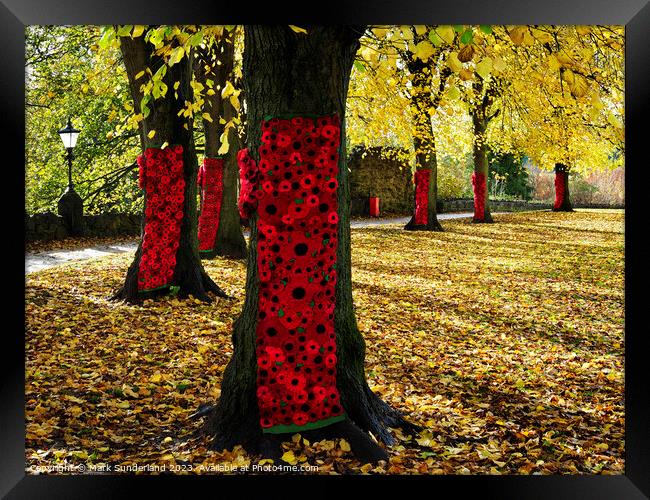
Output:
x=504 y=341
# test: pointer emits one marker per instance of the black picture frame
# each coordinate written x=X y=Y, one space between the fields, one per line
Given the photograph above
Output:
x=634 y=14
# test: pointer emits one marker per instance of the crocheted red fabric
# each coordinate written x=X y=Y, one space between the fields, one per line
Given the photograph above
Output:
x=422 y=196
x=161 y=176
x=560 y=183
x=480 y=188
x=210 y=180
x=296 y=260
x=247 y=201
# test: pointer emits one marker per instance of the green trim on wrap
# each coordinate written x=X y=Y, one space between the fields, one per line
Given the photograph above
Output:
x=154 y=289
x=291 y=428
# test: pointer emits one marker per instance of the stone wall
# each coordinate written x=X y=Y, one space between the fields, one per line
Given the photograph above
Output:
x=49 y=226
x=374 y=175
x=467 y=205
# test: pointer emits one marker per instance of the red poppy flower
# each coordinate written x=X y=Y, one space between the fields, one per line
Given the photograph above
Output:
x=299 y=209
x=329 y=131
x=287 y=219
x=300 y=397
x=295 y=158
x=283 y=140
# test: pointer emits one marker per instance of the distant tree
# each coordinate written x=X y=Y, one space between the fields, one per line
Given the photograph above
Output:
x=508 y=176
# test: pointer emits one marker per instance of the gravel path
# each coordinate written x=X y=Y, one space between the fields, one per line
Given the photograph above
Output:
x=35 y=261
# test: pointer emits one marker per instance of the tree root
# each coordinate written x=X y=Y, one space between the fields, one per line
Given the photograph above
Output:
x=431 y=226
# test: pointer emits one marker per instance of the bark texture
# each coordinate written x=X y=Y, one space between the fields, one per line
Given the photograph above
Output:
x=189 y=274
x=230 y=240
x=285 y=72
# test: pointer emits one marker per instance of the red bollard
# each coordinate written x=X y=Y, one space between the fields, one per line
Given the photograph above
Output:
x=374 y=206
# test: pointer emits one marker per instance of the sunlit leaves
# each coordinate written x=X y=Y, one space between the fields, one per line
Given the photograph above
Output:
x=138 y=30
x=196 y=39
x=454 y=63
x=466 y=53
x=453 y=93
x=516 y=34
x=379 y=32
x=228 y=90
x=107 y=37
x=498 y=63
x=176 y=55
x=446 y=33
x=423 y=50
x=484 y=68
x=467 y=36
x=435 y=38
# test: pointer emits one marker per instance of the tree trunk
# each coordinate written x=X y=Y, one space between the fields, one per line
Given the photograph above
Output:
x=481 y=168
x=562 y=198
x=189 y=275
x=229 y=240
x=289 y=73
x=424 y=142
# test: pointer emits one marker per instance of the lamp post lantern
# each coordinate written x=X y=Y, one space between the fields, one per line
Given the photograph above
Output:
x=69 y=136
x=71 y=204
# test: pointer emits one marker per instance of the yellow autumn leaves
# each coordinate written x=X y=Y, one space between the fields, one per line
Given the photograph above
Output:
x=484 y=335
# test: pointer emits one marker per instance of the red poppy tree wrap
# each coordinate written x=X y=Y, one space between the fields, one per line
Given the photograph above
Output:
x=296 y=260
x=422 y=196
x=210 y=181
x=161 y=176
x=560 y=183
x=480 y=190
x=247 y=201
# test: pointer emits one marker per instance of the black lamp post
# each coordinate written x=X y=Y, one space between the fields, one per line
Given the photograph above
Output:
x=71 y=204
x=69 y=136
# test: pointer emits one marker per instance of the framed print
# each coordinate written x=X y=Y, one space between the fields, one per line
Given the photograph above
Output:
x=417 y=255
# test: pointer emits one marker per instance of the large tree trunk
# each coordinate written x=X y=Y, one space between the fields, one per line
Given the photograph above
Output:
x=481 y=168
x=562 y=198
x=189 y=275
x=229 y=240
x=424 y=142
x=289 y=73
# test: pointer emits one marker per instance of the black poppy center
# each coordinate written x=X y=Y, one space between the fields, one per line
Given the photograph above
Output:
x=271 y=209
